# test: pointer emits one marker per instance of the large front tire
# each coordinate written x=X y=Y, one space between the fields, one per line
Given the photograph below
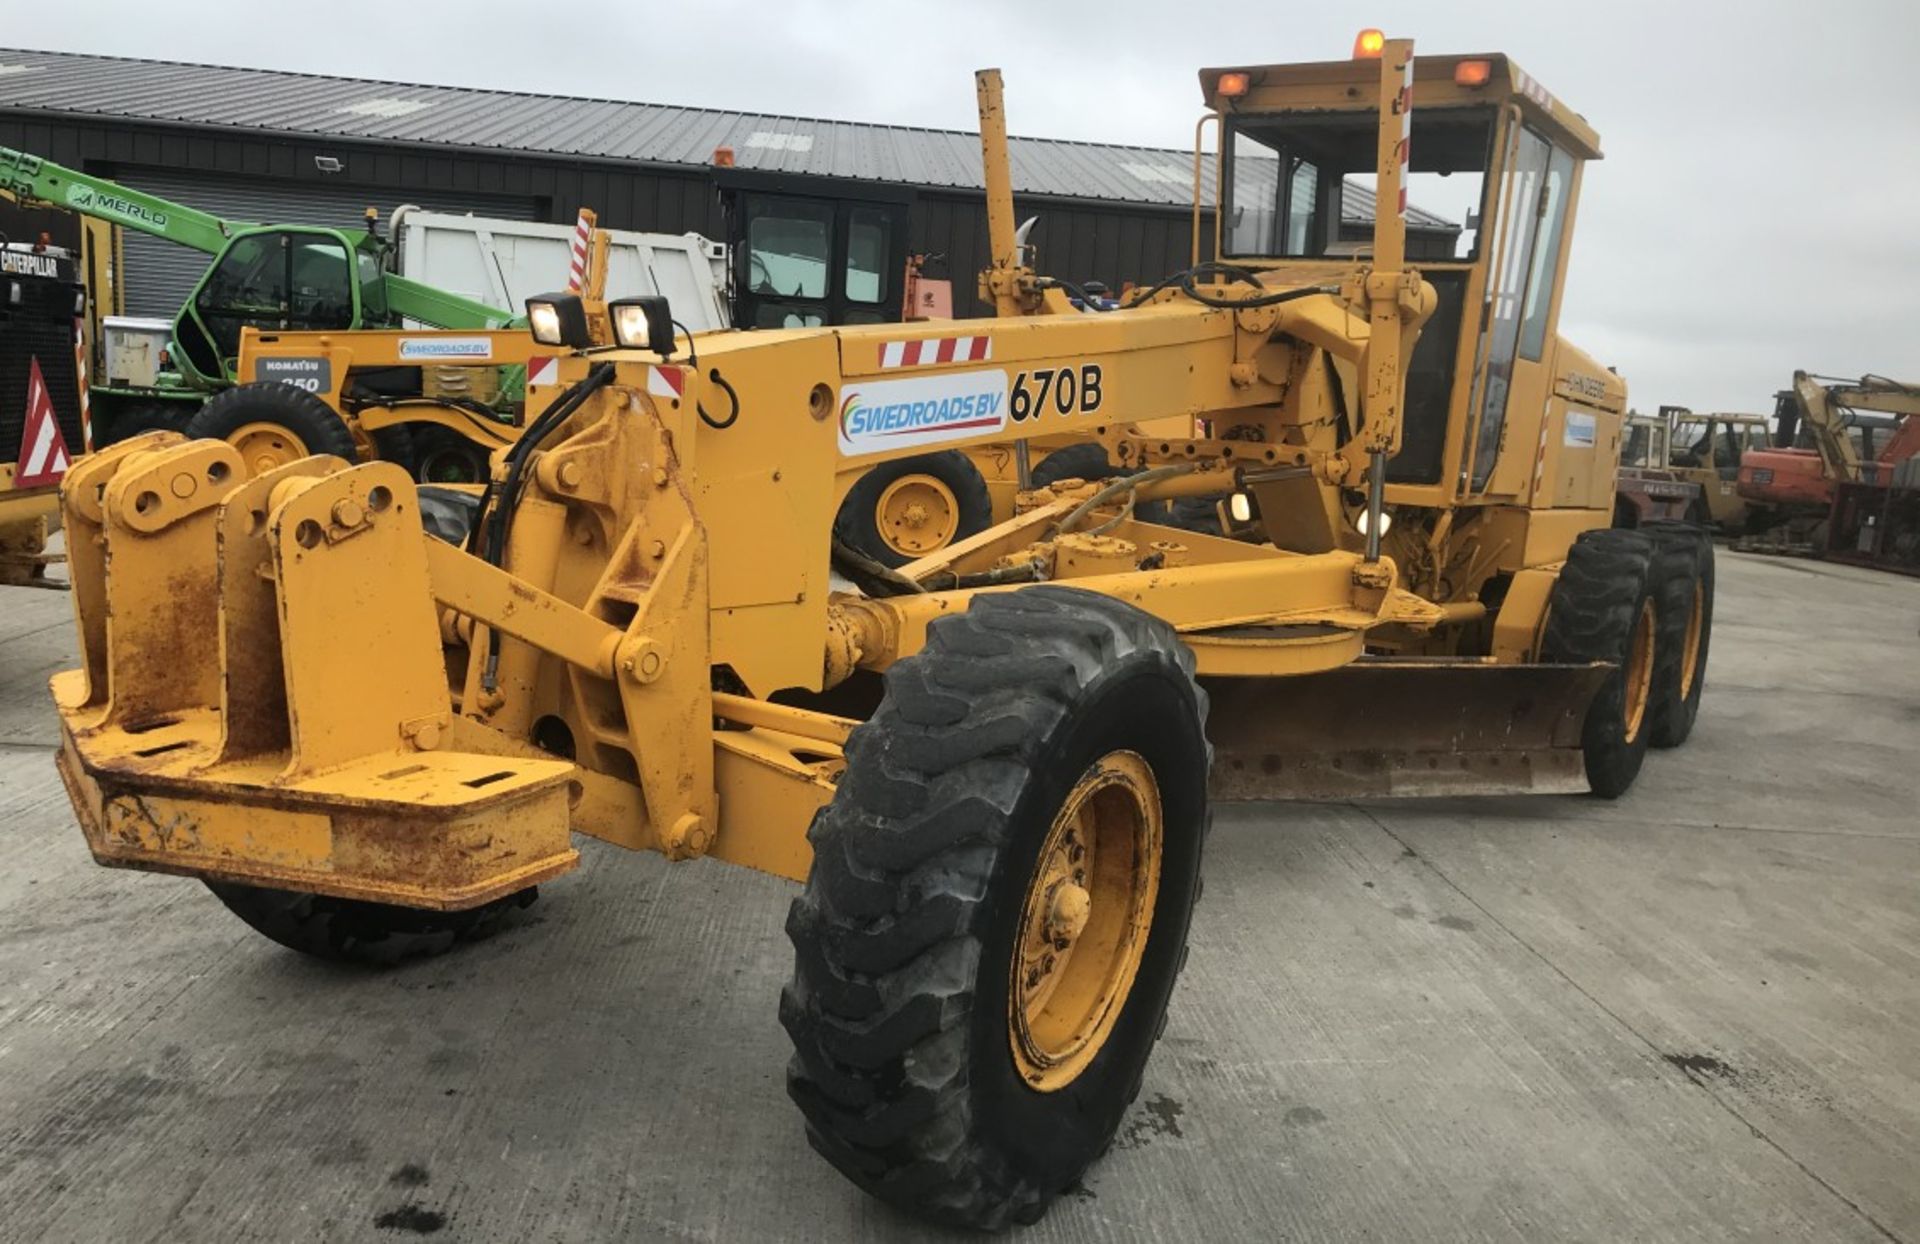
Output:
x=376 y=934
x=1603 y=609
x=970 y=1019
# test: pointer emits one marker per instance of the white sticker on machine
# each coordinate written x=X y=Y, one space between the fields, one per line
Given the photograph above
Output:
x=1580 y=430
x=429 y=348
x=880 y=415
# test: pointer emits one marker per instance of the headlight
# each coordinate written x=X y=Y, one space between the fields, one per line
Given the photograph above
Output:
x=1386 y=522
x=1241 y=507
x=559 y=320
x=642 y=324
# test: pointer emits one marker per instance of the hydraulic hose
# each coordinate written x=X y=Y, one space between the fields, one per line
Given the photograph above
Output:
x=499 y=522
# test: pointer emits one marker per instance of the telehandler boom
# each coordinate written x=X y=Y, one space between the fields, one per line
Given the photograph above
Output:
x=992 y=766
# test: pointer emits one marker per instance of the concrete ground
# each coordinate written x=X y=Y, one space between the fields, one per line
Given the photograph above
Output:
x=1690 y=1014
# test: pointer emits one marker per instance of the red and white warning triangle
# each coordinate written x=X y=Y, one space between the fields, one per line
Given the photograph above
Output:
x=43 y=451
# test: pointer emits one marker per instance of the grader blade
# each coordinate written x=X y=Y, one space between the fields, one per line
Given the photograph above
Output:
x=1402 y=727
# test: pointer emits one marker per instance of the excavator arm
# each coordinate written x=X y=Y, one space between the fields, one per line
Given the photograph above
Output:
x=1823 y=407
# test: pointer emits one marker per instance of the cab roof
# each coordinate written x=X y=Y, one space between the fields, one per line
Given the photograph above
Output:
x=1352 y=84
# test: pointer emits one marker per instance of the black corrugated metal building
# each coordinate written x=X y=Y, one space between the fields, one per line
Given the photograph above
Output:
x=302 y=148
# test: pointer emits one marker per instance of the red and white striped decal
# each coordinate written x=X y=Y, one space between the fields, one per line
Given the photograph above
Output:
x=543 y=369
x=1405 y=108
x=1540 y=457
x=43 y=451
x=80 y=373
x=577 y=267
x=668 y=382
x=934 y=350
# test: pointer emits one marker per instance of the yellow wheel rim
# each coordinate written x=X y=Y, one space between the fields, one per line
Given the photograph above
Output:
x=1084 y=924
x=1639 y=671
x=1690 y=653
x=264 y=446
x=917 y=515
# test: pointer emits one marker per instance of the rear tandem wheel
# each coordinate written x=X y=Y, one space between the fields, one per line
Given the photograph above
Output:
x=1603 y=608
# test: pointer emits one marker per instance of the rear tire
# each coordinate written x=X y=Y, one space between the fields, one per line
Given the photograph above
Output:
x=1602 y=609
x=394 y=444
x=443 y=456
x=1087 y=461
x=376 y=934
x=1683 y=573
x=957 y=492
x=912 y=1063
x=309 y=425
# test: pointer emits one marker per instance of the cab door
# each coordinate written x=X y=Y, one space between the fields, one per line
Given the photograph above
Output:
x=1521 y=310
x=268 y=279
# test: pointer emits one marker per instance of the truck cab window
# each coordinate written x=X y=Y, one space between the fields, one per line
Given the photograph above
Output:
x=867 y=252
x=789 y=250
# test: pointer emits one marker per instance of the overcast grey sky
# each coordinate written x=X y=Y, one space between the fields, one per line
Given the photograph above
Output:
x=1756 y=211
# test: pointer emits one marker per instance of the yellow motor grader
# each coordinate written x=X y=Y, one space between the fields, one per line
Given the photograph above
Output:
x=991 y=767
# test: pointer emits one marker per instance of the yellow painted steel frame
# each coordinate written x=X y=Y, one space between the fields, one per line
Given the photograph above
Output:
x=668 y=573
x=27 y=517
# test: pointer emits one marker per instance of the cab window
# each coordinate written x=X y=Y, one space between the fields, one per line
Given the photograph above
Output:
x=1298 y=184
x=373 y=288
x=321 y=284
x=1550 y=224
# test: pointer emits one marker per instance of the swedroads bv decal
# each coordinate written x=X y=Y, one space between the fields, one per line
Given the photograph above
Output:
x=879 y=415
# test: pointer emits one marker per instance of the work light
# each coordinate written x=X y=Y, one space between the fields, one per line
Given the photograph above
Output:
x=642 y=324
x=559 y=320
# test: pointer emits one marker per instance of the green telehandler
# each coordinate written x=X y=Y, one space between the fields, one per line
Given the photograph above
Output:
x=264 y=276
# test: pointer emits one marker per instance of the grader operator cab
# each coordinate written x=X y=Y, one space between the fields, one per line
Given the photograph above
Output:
x=991 y=766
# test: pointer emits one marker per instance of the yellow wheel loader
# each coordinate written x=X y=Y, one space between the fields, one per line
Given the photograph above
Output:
x=992 y=766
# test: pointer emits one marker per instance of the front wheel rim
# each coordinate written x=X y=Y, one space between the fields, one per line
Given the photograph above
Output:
x=1086 y=920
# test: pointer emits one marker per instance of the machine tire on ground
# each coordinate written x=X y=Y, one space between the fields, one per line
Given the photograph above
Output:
x=272 y=424
x=1087 y=461
x=906 y=509
x=940 y=862
x=1683 y=567
x=377 y=934
x=1603 y=608
x=443 y=456
x=395 y=444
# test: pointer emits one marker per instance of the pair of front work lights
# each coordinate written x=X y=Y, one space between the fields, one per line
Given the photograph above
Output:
x=638 y=323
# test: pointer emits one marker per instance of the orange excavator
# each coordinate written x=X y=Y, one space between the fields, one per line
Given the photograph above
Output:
x=1829 y=432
